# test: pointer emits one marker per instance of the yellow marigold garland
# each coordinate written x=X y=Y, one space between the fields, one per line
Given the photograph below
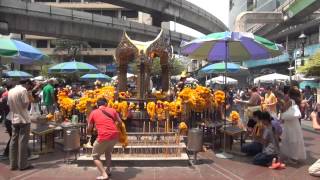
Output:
x=65 y=103
x=151 y=109
x=123 y=138
x=160 y=110
x=234 y=116
x=219 y=97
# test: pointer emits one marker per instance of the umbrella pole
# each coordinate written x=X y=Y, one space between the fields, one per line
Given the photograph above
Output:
x=224 y=154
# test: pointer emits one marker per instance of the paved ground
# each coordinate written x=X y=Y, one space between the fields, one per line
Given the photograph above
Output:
x=51 y=166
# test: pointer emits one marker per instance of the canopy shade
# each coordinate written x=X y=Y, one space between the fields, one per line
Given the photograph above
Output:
x=129 y=75
x=98 y=76
x=17 y=74
x=270 y=78
x=20 y=52
x=220 y=68
x=238 y=46
x=220 y=80
x=73 y=67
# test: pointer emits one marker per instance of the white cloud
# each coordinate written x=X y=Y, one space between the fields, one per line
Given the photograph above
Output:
x=219 y=8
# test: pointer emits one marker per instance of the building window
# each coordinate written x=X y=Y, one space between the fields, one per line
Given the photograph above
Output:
x=94 y=44
x=129 y=14
x=104 y=45
x=42 y=43
x=45 y=1
x=250 y=5
x=70 y=0
x=52 y=44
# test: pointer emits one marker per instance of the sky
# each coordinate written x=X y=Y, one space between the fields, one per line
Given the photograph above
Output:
x=219 y=8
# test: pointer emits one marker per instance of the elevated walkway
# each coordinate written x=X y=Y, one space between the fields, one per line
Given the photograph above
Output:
x=44 y=20
x=180 y=11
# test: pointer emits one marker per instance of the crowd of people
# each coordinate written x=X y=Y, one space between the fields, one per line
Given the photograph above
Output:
x=271 y=117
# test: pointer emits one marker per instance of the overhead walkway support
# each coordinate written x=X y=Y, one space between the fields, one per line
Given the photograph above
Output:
x=44 y=20
x=181 y=11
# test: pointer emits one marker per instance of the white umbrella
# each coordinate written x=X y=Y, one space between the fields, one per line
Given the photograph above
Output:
x=220 y=80
x=270 y=78
x=191 y=80
x=39 y=78
x=129 y=75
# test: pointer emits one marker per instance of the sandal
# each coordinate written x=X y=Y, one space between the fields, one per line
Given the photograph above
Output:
x=108 y=171
x=102 y=178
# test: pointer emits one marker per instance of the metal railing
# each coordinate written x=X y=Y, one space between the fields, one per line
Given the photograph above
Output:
x=19 y=7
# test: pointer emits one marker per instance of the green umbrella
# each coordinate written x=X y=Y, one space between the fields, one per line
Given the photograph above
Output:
x=73 y=67
x=99 y=76
x=19 y=51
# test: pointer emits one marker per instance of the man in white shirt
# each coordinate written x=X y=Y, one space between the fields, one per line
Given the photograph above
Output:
x=18 y=101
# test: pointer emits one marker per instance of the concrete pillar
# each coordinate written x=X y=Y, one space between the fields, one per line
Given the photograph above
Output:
x=119 y=14
x=122 y=77
x=140 y=80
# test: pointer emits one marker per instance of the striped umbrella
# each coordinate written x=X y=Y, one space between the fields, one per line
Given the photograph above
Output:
x=98 y=76
x=73 y=67
x=220 y=68
x=19 y=51
x=225 y=46
x=17 y=74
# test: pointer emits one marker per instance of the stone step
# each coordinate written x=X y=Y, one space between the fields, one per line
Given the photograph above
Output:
x=146 y=161
x=147 y=146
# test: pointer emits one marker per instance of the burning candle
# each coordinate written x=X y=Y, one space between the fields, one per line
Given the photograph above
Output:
x=144 y=124
x=165 y=126
x=149 y=127
x=172 y=126
x=157 y=126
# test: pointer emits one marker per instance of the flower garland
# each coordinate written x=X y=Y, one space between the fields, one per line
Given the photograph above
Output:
x=159 y=95
x=123 y=110
x=234 y=117
x=66 y=104
x=199 y=98
x=123 y=138
x=124 y=95
x=151 y=109
x=160 y=110
x=218 y=98
x=175 y=108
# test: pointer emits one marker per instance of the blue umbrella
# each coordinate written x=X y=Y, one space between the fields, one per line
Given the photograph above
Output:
x=98 y=76
x=220 y=68
x=17 y=74
x=224 y=46
x=19 y=51
x=73 y=67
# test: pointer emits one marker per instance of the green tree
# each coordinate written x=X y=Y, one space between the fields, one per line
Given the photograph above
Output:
x=72 y=48
x=176 y=67
x=312 y=66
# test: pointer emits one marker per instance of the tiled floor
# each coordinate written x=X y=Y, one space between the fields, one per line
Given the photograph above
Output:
x=51 y=166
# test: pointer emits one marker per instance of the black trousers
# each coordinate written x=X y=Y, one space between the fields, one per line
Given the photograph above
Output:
x=8 y=126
